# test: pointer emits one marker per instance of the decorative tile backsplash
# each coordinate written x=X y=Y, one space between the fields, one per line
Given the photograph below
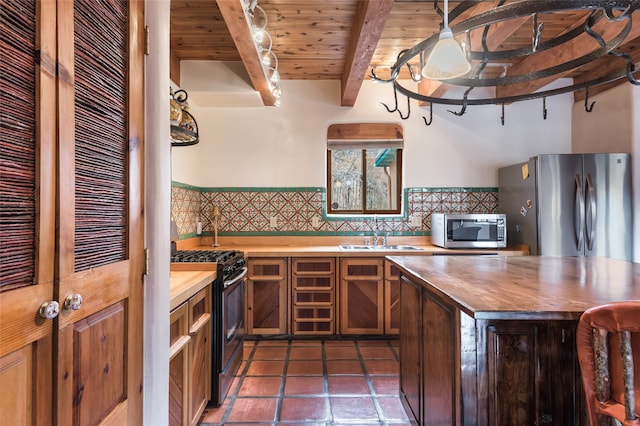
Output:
x=250 y=211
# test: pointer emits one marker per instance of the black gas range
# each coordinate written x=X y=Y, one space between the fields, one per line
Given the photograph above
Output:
x=232 y=261
x=228 y=311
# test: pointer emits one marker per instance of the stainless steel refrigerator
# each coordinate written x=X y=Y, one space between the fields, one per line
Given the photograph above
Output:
x=569 y=204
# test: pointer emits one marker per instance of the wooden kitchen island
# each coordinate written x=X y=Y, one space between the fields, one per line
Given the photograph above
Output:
x=490 y=340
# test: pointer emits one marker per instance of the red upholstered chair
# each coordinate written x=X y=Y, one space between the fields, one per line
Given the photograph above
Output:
x=608 y=344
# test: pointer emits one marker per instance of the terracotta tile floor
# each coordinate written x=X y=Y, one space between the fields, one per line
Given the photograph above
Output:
x=314 y=382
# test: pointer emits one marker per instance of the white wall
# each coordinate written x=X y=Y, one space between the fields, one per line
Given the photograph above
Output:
x=286 y=146
x=607 y=127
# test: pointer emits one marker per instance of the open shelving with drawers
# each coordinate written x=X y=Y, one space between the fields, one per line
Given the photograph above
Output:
x=313 y=290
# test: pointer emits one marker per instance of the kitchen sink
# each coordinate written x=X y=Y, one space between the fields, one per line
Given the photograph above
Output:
x=377 y=248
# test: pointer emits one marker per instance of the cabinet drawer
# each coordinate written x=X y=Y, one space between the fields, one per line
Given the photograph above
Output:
x=313 y=266
x=178 y=328
x=314 y=298
x=266 y=269
x=362 y=269
x=313 y=283
x=199 y=310
x=391 y=271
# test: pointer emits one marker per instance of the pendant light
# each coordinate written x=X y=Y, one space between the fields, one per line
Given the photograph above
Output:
x=447 y=60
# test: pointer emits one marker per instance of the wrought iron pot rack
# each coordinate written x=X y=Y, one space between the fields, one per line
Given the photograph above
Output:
x=600 y=9
x=185 y=131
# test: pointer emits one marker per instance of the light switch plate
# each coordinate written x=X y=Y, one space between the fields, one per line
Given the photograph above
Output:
x=315 y=221
x=416 y=221
x=273 y=221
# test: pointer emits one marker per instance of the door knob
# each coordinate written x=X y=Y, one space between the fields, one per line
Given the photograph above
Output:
x=73 y=302
x=49 y=310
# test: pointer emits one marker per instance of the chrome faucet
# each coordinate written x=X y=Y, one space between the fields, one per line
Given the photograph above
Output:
x=375 y=230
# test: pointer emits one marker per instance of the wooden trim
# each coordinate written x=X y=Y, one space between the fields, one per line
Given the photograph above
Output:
x=46 y=136
x=135 y=313
x=20 y=323
x=65 y=211
x=362 y=131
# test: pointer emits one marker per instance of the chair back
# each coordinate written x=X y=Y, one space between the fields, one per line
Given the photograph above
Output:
x=608 y=345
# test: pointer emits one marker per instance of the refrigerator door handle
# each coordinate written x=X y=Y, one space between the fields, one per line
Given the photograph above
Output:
x=578 y=214
x=591 y=212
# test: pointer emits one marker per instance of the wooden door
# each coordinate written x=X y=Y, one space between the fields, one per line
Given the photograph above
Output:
x=266 y=307
x=71 y=223
x=99 y=213
x=361 y=296
x=27 y=206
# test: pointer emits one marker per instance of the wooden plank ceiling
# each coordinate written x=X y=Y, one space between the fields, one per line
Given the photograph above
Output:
x=344 y=39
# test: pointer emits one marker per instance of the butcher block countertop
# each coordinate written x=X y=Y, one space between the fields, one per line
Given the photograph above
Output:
x=184 y=284
x=524 y=287
x=330 y=246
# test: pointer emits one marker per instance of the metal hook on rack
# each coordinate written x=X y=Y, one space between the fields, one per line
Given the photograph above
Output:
x=465 y=98
x=395 y=98
x=544 y=108
x=502 y=116
x=428 y=123
x=537 y=33
x=395 y=108
x=588 y=107
x=631 y=67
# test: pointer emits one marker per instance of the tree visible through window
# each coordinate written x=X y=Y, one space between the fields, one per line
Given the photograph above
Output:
x=364 y=173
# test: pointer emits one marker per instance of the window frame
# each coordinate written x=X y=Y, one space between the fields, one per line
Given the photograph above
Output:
x=358 y=136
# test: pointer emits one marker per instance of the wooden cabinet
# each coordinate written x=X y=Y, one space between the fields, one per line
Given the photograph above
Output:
x=313 y=291
x=200 y=362
x=361 y=295
x=71 y=200
x=190 y=361
x=410 y=342
x=266 y=307
x=455 y=369
x=179 y=366
x=391 y=298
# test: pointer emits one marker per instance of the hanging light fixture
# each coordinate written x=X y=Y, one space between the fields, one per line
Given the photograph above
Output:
x=447 y=59
x=264 y=44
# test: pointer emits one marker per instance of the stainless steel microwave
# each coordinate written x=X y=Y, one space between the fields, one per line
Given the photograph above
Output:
x=469 y=230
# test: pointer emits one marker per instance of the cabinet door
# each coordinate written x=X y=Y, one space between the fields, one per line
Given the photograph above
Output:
x=391 y=298
x=361 y=296
x=410 y=347
x=200 y=363
x=100 y=227
x=266 y=307
x=179 y=366
x=27 y=203
x=440 y=343
x=512 y=373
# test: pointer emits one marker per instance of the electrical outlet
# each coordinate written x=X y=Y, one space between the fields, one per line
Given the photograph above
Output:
x=416 y=221
x=315 y=221
x=273 y=221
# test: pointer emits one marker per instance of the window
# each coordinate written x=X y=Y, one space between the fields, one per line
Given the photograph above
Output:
x=364 y=168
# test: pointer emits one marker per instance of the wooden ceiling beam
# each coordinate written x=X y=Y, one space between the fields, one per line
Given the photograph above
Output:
x=577 y=47
x=368 y=24
x=234 y=17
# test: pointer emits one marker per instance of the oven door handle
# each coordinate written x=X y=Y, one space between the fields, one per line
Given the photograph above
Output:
x=235 y=279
